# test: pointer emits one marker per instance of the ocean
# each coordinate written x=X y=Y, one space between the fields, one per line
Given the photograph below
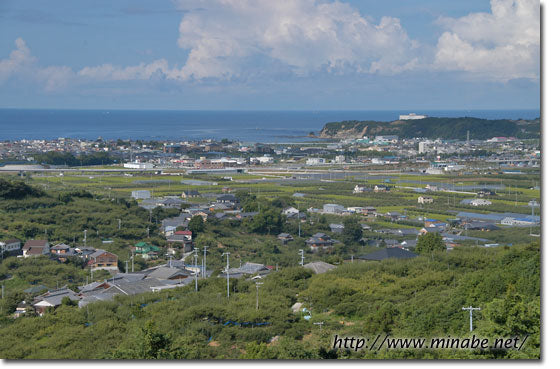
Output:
x=245 y=126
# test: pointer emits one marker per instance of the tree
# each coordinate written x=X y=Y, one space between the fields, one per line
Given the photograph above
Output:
x=150 y=344
x=66 y=301
x=352 y=230
x=17 y=190
x=196 y=225
x=382 y=319
x=258 y=351
x=269 y=221
x=429 y=243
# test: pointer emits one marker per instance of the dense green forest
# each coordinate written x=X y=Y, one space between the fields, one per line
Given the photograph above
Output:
x=431 y=127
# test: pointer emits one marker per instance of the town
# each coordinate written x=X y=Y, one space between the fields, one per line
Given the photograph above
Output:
x=132 y=219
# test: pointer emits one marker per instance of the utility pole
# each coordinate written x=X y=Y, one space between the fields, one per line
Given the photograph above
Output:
x=85 y=237
x=352 y=258
x=2 y=292
x=299 y=221
x=132 y=258
x=258 y=284
x=204 y=263
x=227 y=271
x=470 y=309
x=126 y=268
x=196 y=269
x=302 y=257
x=119 y=224
x=148 y=230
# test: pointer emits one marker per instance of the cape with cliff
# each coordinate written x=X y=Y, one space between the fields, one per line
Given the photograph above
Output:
x=432 y=127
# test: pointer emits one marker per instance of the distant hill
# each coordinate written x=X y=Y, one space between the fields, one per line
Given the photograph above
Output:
x=445 y=128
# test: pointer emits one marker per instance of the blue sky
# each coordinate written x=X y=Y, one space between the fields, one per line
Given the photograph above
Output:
x=270 y=55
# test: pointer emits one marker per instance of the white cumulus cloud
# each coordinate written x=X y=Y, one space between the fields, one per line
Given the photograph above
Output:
x=110 y=72
x=225 y=38
x=501 y=45
x=19 y=59
x=22 y=64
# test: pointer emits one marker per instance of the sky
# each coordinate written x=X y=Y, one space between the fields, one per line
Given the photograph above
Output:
x=270 y=55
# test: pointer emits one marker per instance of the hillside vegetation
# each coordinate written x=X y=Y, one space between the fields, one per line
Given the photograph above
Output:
x=431 y=127
x=419 y=297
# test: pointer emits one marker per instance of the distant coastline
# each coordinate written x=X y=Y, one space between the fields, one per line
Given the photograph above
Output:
x=244 y=126
x=435 y=127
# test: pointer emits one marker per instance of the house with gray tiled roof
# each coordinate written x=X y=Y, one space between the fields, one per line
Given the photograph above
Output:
x=52 y=299
x=320 y=241
x=319 y=267
x=389 y=253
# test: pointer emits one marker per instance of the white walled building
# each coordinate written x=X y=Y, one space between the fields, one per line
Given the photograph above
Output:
x=315 y=161
x=141 y=194
x=425 y=200
x=137 y=165
x=412 y=116
x=10 y=245
x=424 y=147
x=339 y=159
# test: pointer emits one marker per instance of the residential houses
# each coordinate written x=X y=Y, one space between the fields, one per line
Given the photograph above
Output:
x=285 y=238
x=425 y=200
x=141 y=194
x=147 y=251
x=103 y=260
x=381 y=188
x=53 y=299
x=62 y=252
x=320 y=241
x=319 y=267
x=249 y=270
x=333 y=209
x=476 y=202
x=361 y=189
x=10 y=247
x=188 y=194
x=336 y=228
x=389 y=253
x=36 y=248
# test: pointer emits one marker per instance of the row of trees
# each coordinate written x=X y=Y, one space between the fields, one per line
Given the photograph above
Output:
x=66 y=158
